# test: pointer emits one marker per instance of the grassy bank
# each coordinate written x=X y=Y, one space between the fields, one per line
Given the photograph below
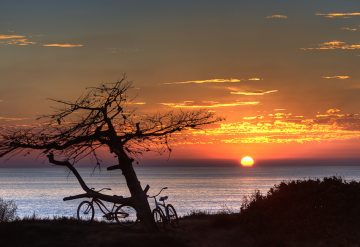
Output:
x=298 y=213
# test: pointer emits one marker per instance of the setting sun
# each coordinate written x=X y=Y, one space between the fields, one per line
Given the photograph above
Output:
x=247 y=161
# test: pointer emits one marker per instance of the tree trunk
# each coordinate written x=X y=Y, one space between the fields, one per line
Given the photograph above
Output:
x=139 y=196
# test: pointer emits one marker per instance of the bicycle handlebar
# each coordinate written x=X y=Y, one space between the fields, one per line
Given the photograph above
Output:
x=101 y=189
x=164 y=188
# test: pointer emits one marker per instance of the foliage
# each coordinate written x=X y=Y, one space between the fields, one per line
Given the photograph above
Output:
x=7 y=210
x=303 y=212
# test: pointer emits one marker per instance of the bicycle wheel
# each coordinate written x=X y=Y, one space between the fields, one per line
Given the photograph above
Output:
x=172 y=215
x=159 y=217
x=85 y=211
x=126 y=215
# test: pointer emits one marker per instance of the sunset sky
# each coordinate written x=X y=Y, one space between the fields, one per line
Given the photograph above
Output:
x=284 y=74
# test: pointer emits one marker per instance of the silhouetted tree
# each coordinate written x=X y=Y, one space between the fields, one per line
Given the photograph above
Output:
x=102 y=118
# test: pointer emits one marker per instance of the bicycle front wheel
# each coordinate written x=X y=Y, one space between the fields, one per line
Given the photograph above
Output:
x=85 y=211
x=172 y=215
x=126 y=216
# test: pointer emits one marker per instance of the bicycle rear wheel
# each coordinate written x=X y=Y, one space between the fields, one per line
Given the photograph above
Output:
x=172 y=215
x=159 y=218
x=85 y=211
x=126 y=215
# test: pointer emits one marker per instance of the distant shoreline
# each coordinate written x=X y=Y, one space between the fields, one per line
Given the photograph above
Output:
x=212 y=163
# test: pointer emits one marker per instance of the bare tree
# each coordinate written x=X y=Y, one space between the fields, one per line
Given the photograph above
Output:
x=102 y=118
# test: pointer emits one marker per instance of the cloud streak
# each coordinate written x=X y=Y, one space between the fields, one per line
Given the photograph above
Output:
x=63 y=45
x=276 y=16
x=334 y=45
x=209 y=104
x=137 y=103
x=332 y=15
x=22 y=40
x=253 y=93
x=14 y=39
x=11 y=36
x=351 y=29
x=231 y=80
x=218 y=80
x=338 y=77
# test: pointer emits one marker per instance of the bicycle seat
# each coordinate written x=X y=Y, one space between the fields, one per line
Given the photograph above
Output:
x=163 y=198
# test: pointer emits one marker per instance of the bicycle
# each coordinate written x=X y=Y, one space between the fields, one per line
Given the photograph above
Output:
x=170 y=216
x=124 y=215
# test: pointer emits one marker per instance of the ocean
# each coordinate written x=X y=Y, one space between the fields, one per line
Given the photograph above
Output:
x=40 y=191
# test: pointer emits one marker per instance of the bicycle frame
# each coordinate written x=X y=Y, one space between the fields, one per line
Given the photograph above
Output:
x=160 y=205
x=103 y=207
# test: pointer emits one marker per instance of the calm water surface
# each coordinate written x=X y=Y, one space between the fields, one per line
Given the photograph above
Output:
x=41 y=190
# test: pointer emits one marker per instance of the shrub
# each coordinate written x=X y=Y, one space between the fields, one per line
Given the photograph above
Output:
x=314 y=210
x=7 y=210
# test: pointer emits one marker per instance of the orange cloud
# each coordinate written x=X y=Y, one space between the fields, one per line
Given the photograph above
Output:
x=339 y=77
x=253 y=93
x=14 y=39
x=21 y=40
x=339 y=15
x=137 y=103
x=11 y=36
x=209 y=104
x=277 y=16
x=333 y=125
x=205 y=81
x=63 y=45
x=334 y=45
x=352 y=29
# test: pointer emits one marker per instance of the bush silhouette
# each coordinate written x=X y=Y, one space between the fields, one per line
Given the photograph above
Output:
x=7 y=210
x=301 y=213
x=311 y=212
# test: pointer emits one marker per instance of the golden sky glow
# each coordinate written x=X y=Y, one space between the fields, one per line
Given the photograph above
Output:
x=285 y=76
x=287 y=128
